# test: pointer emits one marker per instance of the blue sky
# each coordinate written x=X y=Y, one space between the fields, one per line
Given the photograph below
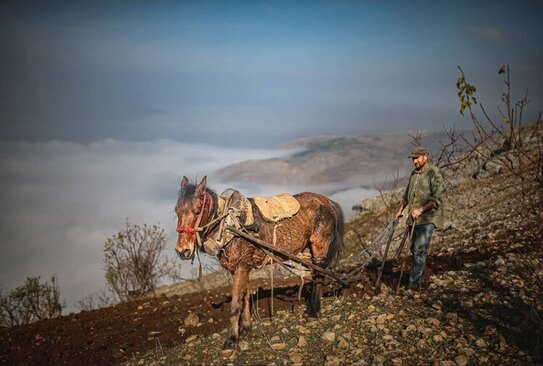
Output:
x=104 y=106
x=253 y=73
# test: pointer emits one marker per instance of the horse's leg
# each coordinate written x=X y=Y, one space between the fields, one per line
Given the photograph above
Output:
x=241 y=277
x=316 y=293
x=319 y=249
x=246 y=322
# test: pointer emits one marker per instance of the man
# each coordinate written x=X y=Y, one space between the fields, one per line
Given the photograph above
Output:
x=424 y=198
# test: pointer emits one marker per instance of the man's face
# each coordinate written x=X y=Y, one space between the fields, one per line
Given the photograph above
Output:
x=420 y=161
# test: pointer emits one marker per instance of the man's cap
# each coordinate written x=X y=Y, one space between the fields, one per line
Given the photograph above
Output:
x=418 y=151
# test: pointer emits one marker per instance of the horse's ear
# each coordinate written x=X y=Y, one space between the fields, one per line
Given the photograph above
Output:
x=184 y=182
x=202 y=186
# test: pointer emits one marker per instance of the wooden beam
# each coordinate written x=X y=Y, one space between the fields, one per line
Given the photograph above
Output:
x=284 y=253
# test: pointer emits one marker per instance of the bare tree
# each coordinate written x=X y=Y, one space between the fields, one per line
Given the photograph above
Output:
x=31 y=302
x=133 y=259
x=515 y=148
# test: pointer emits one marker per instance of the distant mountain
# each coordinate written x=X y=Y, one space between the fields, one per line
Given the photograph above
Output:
x=364 y=159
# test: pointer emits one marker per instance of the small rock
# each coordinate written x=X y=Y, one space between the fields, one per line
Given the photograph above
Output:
x=480 y=343
x=279 y=346
x=329 y=336
x=381 y=319
x=227 y=353
x=461 y=360
x=191 y=338
x=296 y=358
x=452 y=316
x=490 y=330
x=397 y=362
x=447 y=363
x=275 y=339
x=244 y=345
x=426 y=331
x=303 y=330
x=342 y=343
x=468 y=352
x=332 y=361
x=192 y=320
x=384 y=288
x=153 y=334
x=302 y=341
x=421 y=344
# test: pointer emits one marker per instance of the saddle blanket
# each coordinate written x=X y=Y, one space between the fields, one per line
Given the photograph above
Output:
x=278 y=207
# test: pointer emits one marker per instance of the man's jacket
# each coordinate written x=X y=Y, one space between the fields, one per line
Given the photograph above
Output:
x=423 y=187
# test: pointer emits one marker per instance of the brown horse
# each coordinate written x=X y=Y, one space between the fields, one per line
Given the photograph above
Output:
x=317 y=227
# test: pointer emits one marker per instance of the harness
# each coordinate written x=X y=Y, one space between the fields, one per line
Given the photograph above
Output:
x=209 y=204
x=235 y=210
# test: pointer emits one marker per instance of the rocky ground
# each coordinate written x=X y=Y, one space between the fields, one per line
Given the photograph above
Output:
x=483 y=305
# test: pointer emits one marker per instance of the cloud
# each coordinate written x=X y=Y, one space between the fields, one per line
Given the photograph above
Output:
x=486 y=33
x=61 y=201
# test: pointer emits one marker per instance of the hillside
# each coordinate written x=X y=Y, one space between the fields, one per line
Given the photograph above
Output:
x=483 y=305
x=322 y=160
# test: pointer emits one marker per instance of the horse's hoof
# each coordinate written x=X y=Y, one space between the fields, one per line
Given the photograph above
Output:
x=227 y=352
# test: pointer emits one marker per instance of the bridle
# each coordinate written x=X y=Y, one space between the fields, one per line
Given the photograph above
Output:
x=208 y=199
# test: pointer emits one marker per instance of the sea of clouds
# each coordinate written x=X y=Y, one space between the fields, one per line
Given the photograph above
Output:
x=62 y=200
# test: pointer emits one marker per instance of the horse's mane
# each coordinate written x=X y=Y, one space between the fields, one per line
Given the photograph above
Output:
x=187 y=194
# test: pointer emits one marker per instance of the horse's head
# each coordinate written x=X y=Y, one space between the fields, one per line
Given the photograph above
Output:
x=194 y=208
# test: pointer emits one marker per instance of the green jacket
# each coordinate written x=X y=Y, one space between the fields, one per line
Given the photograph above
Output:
x=423 y=187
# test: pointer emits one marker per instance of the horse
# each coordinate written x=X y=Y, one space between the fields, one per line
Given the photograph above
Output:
x=317 y=227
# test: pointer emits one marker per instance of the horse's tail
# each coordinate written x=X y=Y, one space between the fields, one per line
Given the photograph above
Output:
x=336 y=242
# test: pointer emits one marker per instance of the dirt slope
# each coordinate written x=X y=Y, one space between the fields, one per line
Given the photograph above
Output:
x=482 y=307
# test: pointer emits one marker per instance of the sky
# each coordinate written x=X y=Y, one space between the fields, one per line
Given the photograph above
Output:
x=105 y=105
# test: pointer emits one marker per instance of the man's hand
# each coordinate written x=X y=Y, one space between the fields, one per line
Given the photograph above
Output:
x=416 y=213
x=400 y=210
